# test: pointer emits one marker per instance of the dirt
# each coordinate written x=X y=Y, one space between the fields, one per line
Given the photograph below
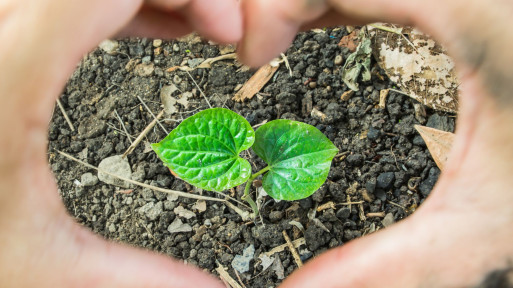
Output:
x=383 y=161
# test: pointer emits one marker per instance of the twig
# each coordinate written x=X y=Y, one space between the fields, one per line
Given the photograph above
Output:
x=397 y=205
x=296 y=243
x=226 y=277
x=113 y=127
x=238 y=277
x=155 y=118
x=362 y=213
x=123 y=125
x=326 y=206
x=172 y=192
x=375 y=214
x=143 y=134
x=292 y=249
x=65 y=115
x=201 y=91
x=287 y=64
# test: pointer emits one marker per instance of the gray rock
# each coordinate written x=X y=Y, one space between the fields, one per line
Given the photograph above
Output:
x=355 y=159
x=427 y=185
x=385 y=180
x=193 y=63
x=443 y=123
x=178 y=226
x=373 y=134
x=388 y=220
x=116 y=165
x=146 y=60
x=112 y=228
x=371 y=185
x=88 y=179
x=151 y=210
x=144 y=70
x=109 y=46
x=241 y=262
x=139 y=174
x=343 y=213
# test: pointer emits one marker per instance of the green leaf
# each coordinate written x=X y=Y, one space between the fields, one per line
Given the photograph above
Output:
x=204 y=149
x=299 y=158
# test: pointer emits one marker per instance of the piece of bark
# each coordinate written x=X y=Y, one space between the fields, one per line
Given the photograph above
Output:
x=255 y=83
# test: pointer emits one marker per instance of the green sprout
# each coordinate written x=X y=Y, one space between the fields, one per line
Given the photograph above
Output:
x=204 y=151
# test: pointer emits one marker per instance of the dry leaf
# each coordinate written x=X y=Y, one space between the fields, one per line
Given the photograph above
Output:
x=418 y=65
x=200 y=206
x=167 y=100
x=439 y=143
x=255 y=83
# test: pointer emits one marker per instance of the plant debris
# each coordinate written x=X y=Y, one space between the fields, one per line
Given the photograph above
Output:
x=439 y=143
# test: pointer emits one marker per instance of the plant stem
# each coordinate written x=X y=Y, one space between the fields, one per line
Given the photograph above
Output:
x=246 y=196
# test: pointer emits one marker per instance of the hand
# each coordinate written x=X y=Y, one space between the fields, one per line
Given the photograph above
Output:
x=40 y=245
x=460 y=235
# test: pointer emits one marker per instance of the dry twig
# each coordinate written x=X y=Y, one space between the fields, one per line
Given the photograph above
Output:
x=143 y=134
x=292 y=249
x=123 y=125
x=65 y=115
x=155 y=118
x=226 y=277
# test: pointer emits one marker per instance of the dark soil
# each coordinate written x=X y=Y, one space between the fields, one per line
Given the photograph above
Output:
x=386 y=164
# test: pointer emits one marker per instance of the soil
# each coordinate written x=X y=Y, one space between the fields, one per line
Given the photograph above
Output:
x=383 y=161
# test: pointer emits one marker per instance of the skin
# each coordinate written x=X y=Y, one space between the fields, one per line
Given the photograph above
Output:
x=460 y=235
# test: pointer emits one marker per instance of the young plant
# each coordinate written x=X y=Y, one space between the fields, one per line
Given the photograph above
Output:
x=204 y=151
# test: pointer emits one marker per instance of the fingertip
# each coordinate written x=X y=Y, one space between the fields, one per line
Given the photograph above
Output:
x=266 y=33
x=220 y=21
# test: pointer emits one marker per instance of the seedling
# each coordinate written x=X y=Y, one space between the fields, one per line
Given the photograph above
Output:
x=204 y=151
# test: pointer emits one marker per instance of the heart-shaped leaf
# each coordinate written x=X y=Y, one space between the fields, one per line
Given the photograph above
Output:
x=204 y=149
x=299 y=158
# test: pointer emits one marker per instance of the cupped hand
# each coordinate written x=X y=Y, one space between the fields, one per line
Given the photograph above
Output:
x=459 y=236
x=42 y=41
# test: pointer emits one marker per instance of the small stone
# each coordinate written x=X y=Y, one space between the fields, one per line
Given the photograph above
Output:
x=385 y=180
x=176 y=48
x=157 y=43
x=355 y=159
x=380 y=194
x=241 y=262
x=178 y=226
x=347 y=95
x=388 y=220
x=427 y=185
x=88 y=179
x=275 y=216
x=313 y=84
x=343 y=213
x=371 y=185
x=112 y=228
x=338 y=60
x=154 y=212
x=144 y=70
x=182 y=212
x=116 y=165
x=109 y=46
x=146 y=60
x=443 y=123
x=193 y=63
x=373 y=134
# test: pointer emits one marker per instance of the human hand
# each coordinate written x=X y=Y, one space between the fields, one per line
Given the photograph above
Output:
x=458 y=237
x=40 y=245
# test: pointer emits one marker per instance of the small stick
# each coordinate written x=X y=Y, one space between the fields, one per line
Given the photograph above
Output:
x=123 y=125
x=155 y=118
x=297 y=259
x=238 y=277
x=397 y=205
x=65 y=115
x=326 y=206
x=362 y=213
x=287 y=64
x=201 y=91
x=226 y=277
x=143 y=134
x=375 y=214
x=296 y=243
x=172 y=192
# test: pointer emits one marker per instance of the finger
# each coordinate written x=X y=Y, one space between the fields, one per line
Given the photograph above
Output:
x=156 y=23
x=270 y=27
x=169 y=5
x=219 y=20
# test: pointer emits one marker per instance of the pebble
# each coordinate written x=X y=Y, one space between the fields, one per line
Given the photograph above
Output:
x=343 y=213
x=241 y=262
x=388 y=220
x=146 y=60
x=193 y=63
x=355 y=159
x=385 y=180
x=427 y=185
x=371 y=185
x=153 y=211
x=88 y=179
x=157 y=43
x=441 y=123
x=338 y=60
x=144 y=70
x=112 y=228
x=373 y=134
x=176 y=48
x=380 y=194
x=275 y=216
x=178 y=226
x=116 y=165
x=109 y=46
x=313 y=84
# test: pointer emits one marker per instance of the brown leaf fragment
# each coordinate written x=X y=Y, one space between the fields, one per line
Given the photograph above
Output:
x=255 y=83
x=350 y=41
x=439 y=143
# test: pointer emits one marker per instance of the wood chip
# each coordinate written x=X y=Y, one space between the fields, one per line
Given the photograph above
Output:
x=439 y=143
x=329 y=205
x=296 y=243
x=255 y=83
x=383 y=94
